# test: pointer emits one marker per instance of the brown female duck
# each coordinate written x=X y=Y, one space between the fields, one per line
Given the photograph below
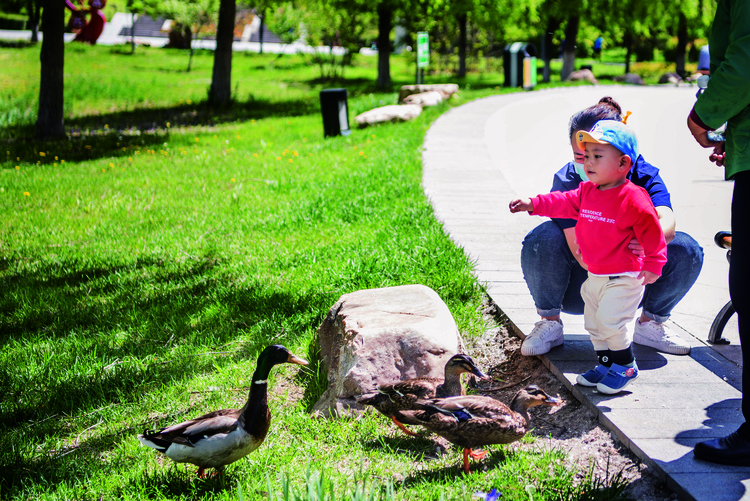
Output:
x=472 y=421
x=222 y=437
x=390 y=399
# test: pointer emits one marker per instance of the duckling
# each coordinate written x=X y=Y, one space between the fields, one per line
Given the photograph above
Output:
x=392 y=398
x=475 y=420
x=219 y=438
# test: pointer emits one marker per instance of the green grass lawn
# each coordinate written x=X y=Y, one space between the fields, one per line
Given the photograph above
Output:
x=147 y=260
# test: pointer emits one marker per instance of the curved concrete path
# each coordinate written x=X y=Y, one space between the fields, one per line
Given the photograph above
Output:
x=481 y=155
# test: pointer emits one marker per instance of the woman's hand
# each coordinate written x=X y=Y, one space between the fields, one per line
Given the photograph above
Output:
x=701 y=135
x=718 y=155
x=519 y=205
x=636 y=248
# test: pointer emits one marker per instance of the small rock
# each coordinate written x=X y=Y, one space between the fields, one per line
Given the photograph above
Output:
x=671 y=78
x=390 y=113
x=630 y=78
x=429 y=98
x=587 y=75
x=445 y=90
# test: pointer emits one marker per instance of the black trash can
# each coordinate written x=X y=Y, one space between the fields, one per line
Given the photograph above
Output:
x=519 y=65
x=335 y=109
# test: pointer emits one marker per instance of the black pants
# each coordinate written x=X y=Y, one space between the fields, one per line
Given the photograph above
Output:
x=739 y=281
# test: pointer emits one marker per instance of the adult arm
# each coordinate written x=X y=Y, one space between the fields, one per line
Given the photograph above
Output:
x=667 y=221
x=570 y=237
x=700 y=130
x=668 y=227
x=647 y=230
x=728 y=91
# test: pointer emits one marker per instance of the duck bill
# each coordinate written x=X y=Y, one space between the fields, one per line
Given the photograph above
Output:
x=481 y=375
x=552 y=401
x=294 y=359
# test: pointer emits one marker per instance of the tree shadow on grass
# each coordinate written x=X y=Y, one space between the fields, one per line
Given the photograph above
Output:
x=151 y=311
x=181 y=480
x=109 y=144
x=168 y=480
x=196 y=114
x=36 y=407
x=105 y=135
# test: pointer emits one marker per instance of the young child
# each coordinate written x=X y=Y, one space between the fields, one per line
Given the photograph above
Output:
x=610 y=212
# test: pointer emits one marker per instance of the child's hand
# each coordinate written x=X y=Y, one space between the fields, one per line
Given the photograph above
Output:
x=519 y=205
x=648 y=277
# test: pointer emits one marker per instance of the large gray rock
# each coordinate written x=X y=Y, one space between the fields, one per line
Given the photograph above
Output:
x=446 y=90
x=390 y=113
x=376 y=336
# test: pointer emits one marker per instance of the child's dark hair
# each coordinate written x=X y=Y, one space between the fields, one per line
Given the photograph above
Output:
x=606 y=109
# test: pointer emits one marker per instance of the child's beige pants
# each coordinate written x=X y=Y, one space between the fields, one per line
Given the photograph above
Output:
x=610 y=304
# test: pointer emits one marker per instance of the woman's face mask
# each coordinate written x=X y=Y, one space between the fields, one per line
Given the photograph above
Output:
x=579 y=158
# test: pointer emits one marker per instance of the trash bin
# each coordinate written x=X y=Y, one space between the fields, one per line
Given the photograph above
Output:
x=335 y=110
x=519 y=65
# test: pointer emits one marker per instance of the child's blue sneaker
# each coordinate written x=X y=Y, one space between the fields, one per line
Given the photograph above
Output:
x=617 y=379
x=592 y=377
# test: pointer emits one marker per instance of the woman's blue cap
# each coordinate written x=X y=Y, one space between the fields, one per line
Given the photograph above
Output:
x=611 y=132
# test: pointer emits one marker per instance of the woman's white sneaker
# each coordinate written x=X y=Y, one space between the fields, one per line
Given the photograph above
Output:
x=546 y=335
x=660 y=337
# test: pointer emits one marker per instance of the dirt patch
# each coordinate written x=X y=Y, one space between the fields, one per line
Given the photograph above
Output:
x=571 y=426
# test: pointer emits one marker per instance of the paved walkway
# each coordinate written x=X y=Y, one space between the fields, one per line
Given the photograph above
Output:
x=481 y=155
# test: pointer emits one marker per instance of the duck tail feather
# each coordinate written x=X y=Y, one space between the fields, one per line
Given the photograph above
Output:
x=149 y=440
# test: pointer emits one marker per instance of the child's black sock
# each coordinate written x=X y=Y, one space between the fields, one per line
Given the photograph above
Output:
x=622 y=357
x=605 y=357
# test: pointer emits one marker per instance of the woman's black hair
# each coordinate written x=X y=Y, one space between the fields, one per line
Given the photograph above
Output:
x=606 y=109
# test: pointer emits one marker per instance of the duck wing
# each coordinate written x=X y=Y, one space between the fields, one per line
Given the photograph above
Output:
x=189 y=433
x=466 y=407
x=392 y=397
x=469 y=421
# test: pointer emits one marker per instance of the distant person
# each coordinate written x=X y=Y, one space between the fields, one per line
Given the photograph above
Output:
x=704 y=61
x=554 y=272
x=598 y=43
x=727 y=99
x=611 y=211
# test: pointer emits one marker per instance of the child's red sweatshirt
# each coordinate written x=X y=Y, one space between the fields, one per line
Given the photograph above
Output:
x=607 y=221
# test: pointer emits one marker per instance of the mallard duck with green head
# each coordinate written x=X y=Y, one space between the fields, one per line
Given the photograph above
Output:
x=472 y=421
x=392 y=398
x=219 y=438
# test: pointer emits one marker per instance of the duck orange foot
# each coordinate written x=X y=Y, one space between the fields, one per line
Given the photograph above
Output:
x=403 y=428
x=202 y=473
x=474 y=455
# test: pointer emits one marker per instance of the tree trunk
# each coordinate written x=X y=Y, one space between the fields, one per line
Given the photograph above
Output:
x=49 y=122
x=221 y=83
x=462 y=21
x=682 y=35
x=33 y=8
x=569 y=52
x=628 y=41
x=260 y=33
x=133 y=17
x=548 y=48
x=385 y=24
